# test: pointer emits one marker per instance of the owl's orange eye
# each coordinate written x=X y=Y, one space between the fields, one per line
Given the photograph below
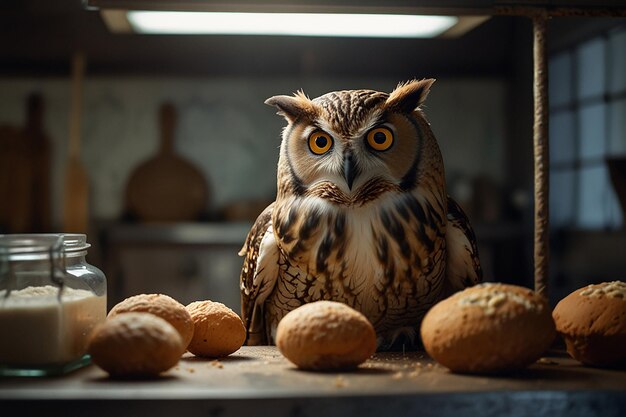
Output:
x=320 y=142
x=380 y=139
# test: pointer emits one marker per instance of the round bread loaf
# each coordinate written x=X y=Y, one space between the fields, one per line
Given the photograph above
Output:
x=592 y=320
x=218 y=332
x=160 y=305
x=488 y=328
x=326 y=335
x=135 y=344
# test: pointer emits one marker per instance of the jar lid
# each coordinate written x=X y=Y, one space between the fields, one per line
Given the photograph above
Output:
x=42 y=243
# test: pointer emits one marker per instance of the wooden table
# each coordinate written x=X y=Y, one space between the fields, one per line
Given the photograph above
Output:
x=259 y=381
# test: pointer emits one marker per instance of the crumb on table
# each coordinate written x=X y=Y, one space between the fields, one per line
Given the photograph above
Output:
x=216 y=364
x=340 y=381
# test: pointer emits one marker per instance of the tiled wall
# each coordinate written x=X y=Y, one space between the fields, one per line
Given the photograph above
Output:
x=227 y=131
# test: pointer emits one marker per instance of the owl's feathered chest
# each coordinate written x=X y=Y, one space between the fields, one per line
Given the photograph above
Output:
x=377 y=257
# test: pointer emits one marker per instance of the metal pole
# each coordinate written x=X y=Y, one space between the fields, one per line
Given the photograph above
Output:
x=541 y=154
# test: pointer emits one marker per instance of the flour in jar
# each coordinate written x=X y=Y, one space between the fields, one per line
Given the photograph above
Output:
x=37 y=329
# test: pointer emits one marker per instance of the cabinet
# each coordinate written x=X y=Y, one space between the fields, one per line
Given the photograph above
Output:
x=189 y=261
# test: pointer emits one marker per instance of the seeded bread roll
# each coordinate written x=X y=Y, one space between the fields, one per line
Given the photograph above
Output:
x=160 y=305
x=489 y=328
x=326 y=335
x=218 y=332
x=135 y=344
x=592 y=320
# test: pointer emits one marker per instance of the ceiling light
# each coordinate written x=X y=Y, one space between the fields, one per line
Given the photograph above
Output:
x=289 y=24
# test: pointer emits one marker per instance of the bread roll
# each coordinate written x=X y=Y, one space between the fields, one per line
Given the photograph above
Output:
x=326 y=335
x=488 y=328
x=592 y=320
x=160 y=305
x=218 y=331
x=135 y=344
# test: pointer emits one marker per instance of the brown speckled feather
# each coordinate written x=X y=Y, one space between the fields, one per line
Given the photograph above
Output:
x=389 y=243
x=463 y=269
x=258 y=276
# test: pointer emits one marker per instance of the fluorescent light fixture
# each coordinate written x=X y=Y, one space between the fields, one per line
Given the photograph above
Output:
x=290 y=24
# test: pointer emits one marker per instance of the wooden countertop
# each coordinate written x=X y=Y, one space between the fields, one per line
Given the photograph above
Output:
x=259 y=381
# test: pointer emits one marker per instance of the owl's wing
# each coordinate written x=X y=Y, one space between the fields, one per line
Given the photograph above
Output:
x=463 y=266
x=258 y=275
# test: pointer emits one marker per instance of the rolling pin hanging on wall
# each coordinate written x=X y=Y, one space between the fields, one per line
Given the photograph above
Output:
x=75 y=202
x=167 y=187
x=39 y=143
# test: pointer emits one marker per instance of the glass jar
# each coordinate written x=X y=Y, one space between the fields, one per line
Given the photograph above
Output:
x=50 y=300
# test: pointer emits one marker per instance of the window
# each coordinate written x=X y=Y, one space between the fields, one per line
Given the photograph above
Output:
x=587 y=126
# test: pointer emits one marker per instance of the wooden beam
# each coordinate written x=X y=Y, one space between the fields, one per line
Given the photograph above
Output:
x=541 y=154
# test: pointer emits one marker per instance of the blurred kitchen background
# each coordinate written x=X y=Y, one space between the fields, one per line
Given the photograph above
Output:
x=186 y=246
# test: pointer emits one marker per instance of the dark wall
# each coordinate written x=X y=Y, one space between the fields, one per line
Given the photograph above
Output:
x=37 y=38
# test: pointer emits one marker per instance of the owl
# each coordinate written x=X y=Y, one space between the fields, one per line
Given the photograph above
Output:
x=361 y=216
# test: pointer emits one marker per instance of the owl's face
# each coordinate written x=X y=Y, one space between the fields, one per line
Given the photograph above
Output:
x=348 y=141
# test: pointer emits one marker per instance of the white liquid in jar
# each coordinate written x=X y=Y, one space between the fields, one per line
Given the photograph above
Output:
x=37 y=329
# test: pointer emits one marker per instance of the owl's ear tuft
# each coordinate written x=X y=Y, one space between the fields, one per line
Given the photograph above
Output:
x=409 y=96
x=293 y=107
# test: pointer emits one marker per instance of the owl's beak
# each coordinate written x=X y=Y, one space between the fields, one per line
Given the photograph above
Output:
x=350 y=169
